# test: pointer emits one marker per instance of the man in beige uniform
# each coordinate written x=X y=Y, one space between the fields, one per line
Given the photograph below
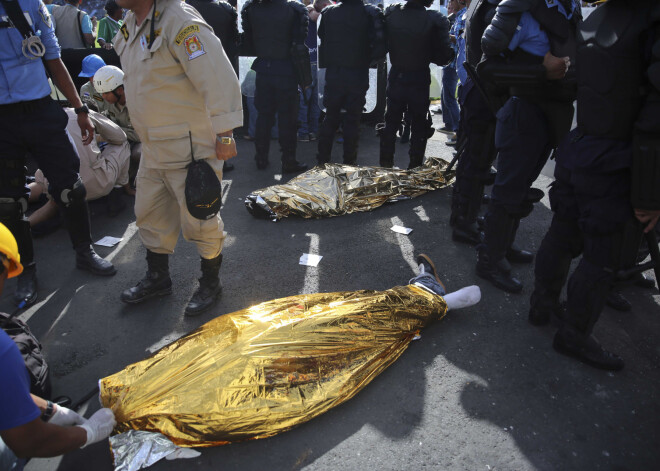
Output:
x=109 y=82
x=178 y=82
x=103 y=163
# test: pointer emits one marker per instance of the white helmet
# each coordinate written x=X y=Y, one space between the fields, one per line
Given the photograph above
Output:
x=108 y=78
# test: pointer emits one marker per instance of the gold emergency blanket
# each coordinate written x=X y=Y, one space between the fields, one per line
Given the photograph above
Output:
x=265 y=369
x=336 y=189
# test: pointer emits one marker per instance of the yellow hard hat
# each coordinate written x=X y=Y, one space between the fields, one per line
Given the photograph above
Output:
x=9 y=249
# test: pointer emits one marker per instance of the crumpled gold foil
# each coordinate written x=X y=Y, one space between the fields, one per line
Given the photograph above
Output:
x=336 y=189
x=265 y=369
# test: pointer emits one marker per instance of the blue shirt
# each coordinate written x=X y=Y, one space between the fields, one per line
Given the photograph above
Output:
x=16 y=405
x=529 y=35
x=22 y=78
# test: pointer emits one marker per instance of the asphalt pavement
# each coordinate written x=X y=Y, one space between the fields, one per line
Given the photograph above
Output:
x=481 y=390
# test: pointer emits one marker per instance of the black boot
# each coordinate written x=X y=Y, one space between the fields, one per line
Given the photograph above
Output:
x=157 y=281
x=617 y=301
x=11 y=215
x=545 y=307
x=465 y=232
x=386 y=160
x=491 y=252
x=209 y=287
x=514 y=254
x=498 y=276
x=586 y=349
x=76 y=215
x=293 y=166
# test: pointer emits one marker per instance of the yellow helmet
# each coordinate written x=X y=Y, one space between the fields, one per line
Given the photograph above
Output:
x=9 y=249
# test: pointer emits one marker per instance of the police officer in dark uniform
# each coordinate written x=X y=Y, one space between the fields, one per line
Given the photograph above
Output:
x=606 y=190
x=222 y=17
x=352 y=37
x=270 y=30
x=529 y=47
x=30 y=121
x=415 y=38
x=473 y=171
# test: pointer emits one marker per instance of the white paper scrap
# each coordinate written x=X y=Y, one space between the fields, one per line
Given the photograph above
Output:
x=310 y=260
x=108 y=241
x=401 y=229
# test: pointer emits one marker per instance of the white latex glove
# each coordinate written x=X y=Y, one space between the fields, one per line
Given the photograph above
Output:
x=464 y=297
x=99 y=426
x=65 y=417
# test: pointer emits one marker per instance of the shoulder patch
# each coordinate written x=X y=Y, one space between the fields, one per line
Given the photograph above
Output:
x=124 y=31
x=45 y=16
x=185 y=32
x=194 y=47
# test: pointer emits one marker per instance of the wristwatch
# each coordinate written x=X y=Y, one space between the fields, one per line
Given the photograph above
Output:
x=82 y=109
x=225 y=140
x=48 y=413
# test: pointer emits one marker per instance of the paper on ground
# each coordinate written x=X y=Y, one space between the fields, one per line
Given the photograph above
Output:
x=401 y=229
x=108 y=241
x=310 y=260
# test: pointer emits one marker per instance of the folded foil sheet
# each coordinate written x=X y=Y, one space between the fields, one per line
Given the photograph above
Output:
x=135 y=450
x=265 y=369
x=336 y=189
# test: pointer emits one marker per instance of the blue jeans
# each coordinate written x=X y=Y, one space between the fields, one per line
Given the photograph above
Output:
x=309 y=113
x=450 y=112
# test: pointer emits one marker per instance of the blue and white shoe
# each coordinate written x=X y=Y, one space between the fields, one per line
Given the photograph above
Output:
x=428 y=276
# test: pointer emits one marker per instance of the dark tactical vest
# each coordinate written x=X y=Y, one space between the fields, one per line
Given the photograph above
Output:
x=611 y=76
x=272 y=28
x=409 y=32
x=479 y=16
x=345 y=41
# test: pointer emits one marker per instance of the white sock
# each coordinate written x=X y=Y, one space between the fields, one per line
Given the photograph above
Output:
x=464 y=297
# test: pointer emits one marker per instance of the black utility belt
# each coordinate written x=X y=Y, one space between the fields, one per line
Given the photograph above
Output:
x=23 y=107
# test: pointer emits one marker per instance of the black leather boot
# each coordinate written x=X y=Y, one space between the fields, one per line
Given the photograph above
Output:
x=514 y=254
x=586 y=349
x=496 y=274
x=209 y=287
x=157 y=281
x=491 y=252
x=617 y=301
x=293 y=166
x=387 y=160
x=76 y=216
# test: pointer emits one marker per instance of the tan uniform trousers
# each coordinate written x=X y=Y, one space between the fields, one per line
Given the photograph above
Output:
x=101 y=176
x=161 y=213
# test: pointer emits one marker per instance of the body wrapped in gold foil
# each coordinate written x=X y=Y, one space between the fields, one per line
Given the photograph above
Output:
x=268 y=368
x=336 y=189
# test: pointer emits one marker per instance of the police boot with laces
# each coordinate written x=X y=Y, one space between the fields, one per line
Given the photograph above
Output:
x=157 y=281
x=76 y=215
x=209 y=287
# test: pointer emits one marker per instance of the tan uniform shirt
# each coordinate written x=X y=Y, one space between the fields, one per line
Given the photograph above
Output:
x=92 y=98
x=119 y=115
x=184 y=83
